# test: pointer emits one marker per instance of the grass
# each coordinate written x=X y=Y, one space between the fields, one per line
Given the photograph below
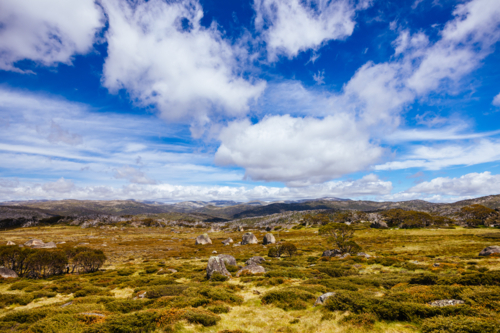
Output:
x=388 y=293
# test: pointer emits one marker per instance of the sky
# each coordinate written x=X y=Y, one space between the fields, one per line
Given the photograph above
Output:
x=246 y=100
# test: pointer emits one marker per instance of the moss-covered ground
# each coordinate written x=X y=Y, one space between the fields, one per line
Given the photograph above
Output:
x=137 y=292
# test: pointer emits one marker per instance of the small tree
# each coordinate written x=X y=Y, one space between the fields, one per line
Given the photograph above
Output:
x=341 y=235
x=287 y=249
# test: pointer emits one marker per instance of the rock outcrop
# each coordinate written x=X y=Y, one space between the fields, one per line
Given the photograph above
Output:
x=255 y=261
x=203 y=240
x=379 y=225
x=11 y=243
x=228 y=260
x=227 y=241
x=7 y=273
x=49 y=245
x=251 y=269
x=249 y=238
x=269 y=239
x=490 y=250
x=322 y=299
x=34 y=242
x=446 y=302
x=331 y=253
x=216 y=264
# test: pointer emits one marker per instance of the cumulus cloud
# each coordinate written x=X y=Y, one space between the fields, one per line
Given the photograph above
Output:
x=293 y=26
x=59 y=186
x=471 y=184
x=369 y=185
x=161 y=55
x=47 y=32
x=297 y=151
x=496 y=100
x=133 y=175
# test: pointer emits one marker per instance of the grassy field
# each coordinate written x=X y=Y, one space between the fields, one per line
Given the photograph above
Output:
x=137 y=292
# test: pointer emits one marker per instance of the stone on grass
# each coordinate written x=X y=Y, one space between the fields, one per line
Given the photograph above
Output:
x=34 y=242
x=49 y=245
x=490 y=250
x=446 y=302
x=203 y=240
x=227 y=241
x=251 y=269
x=269 y=239
x=228 y=260
x=255 y=261
x=379 y=225
x=11 y=243
x=249 y=238
x=7 y=273
x=362 y=254
x=216 y=264
x=322 y=299
x=331 y=253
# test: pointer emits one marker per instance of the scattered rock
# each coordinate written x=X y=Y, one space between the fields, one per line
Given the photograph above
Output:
x=249 y=238
x=379 y=225
x=92 y=314
x=203 y=240
x=142 y=295
x=214 y=252
x=255 y=261
x=171 y=270
x=490 y=250
x=362 y=254
x=49 y=245
x=61 y=243
x=216 y=264
x=227 y=241
x=66 y=304
x=345 y=255
x=251 y=269
x=322 y=299
x=11 y=243
x=256 y=292
x=240 y=228
x=269 y=239
x=34 y=242
x=228 y=260
x=436 y=264
x=7 y=273
x=237 y=244
x=331 y=253
x=446 y=302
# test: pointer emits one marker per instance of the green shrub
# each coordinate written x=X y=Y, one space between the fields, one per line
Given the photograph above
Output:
x=9 y=299
x=424 y=279
x=460 y=324
x=205 y=318
x=168 y=290
x=218 y=277
x=126 y=306
x=364 y=320
x=57 y=323
x=20 y=285
x=27 y=316
x=338 y=271
x=334 y=284
x=232 y=269
x=221 y=294
x=219 y=308
x=151 y=269
x=289 y=298
x=143 y=321
x=125 y=272
x=288 y=273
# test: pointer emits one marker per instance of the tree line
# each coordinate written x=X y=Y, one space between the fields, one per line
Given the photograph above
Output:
x=43 y=263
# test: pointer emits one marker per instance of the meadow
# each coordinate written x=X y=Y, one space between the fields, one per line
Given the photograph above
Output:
x=154 y=280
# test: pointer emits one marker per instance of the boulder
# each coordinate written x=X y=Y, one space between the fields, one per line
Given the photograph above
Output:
x=269 y=239
x=331 y=253
x=362 y=254
x=322 y=299
x=34 y=242
x=11 y=243
x=240 y=228
x=255 y=261
x=7 y=273
x=216 y=264
x=49 y=245
x=379 y=225
x=490 y=250
x=203 y=240
x=227 y=241
x=446 y=302
x=251 y=269
x=228 y=260
x=249 y=238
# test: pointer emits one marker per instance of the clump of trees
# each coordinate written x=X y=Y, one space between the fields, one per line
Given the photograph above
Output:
x=324 y=218
x=42 y=263
x=398 y=217
x=341 y=235
x=287 y=249
x=475 y=215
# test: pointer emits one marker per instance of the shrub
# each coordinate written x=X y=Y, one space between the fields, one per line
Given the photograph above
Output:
x=20 y=285
x=151 y=269
x=219 y=308
x=232 y=269
x=198 y=316
x=9 y=299
x=289 y=298
x=221 y=294
x=273 y=252
x=365 y=320
x=218 y=277
x=143 y=321
x=169 y=290
x=287 y=249
x=126 y=306
x=338 y=271
x=460 y=324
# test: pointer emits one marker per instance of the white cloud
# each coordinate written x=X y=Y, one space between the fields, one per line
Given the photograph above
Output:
x=58 y=134
x=47 y=32
x=187 y=71
x=133 y=175
x=442 y=156
x=60 y=186
x=297 y=151
x=496 y=100
x=319 y=77
x=369 y=185
x=472 y=184
x=293 y=26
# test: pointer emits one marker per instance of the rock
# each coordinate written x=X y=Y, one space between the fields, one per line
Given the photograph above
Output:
x=236 y=244
x=11 y=243
x=490 y=250
x=322 y=299
x=255 y=261
x=251 y=269
x=203 y=240
x=216 y=264
x=331 y=253
x=61 y=243
x=345 y=255
x=240 y=228
x=436 y=264
x=7 y=273
x=249 y=238
x=362 y=254
x=446 y=302
x=34 y=242
x=66 y=304
x=214 y=252
x=171 y=270
x=93 y=314
x=49 y=245
x=228 y=260
x=227 y=241
x=256 y=292
x=379 y=225
x=269 y=239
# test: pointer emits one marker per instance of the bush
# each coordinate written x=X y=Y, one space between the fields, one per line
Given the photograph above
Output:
x=151 y=269
x=364 y=320
x=205 y=318
x=460 y=324
x=221 y=294
x=232 y=269
x=289 y=298
x=143 y=321
x=126 y=306
x=9 y=299
x=169 y=290
x=219 y=308
x=218 y=277
x=273 y=253
x=338 y=271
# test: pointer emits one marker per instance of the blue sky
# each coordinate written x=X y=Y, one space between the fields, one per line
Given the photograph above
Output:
x=249 y=100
